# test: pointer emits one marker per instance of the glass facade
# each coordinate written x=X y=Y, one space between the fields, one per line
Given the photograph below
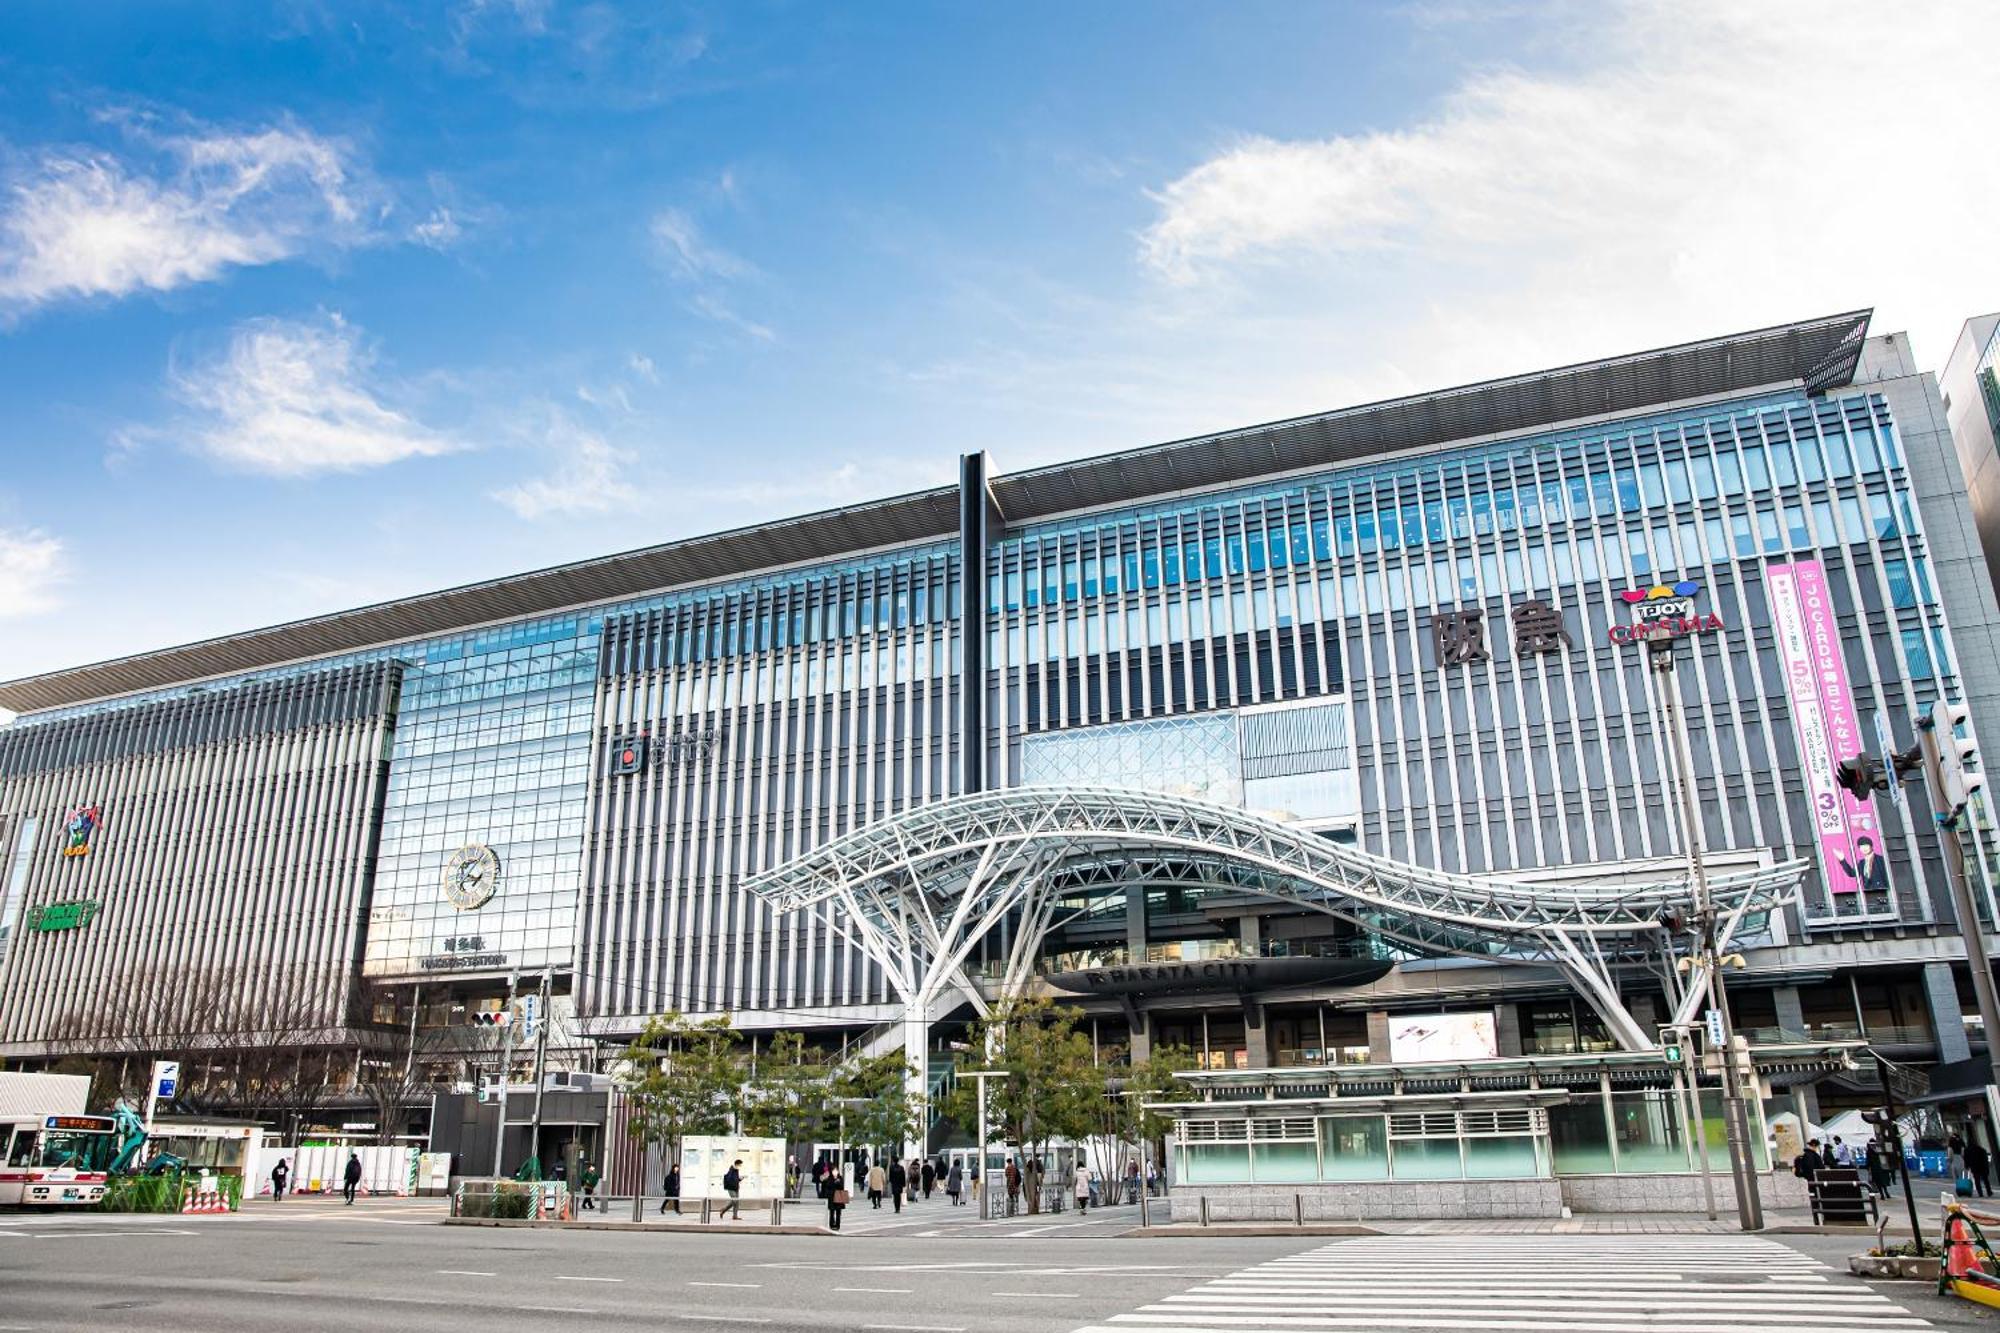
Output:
x=1418 y=649
x=492 y=749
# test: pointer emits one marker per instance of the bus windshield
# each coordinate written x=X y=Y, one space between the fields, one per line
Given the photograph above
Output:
x=75 y=1149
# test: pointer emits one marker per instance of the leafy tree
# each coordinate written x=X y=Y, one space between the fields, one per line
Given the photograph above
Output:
x=1054 y=1088
x=884 y=1112
x=680 y=1078
x=785 y=1094
x=1133 y=1084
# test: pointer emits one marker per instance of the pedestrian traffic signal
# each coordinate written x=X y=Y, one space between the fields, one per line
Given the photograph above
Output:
x=1861 y=776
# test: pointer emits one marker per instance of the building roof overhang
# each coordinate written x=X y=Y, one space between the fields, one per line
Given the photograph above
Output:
x=1815 y=354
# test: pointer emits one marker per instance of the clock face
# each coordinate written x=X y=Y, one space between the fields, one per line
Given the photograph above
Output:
x=472 y=876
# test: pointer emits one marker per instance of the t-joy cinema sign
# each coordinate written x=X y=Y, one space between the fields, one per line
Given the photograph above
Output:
x=1663 y=609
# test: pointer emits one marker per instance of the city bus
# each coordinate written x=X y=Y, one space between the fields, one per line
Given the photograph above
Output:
x=54 y=1160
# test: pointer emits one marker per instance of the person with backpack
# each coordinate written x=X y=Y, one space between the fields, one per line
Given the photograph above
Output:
x=279 y=1175
x=732 y=1185
x=587 y=1178
x=1808 y=1163
x=351 y=1178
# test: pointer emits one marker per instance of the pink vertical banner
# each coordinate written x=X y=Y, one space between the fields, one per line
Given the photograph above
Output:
x=1828 y=729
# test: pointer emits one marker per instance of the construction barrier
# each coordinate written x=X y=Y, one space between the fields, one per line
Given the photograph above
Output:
x=1968 y=1270
x=205 y=1195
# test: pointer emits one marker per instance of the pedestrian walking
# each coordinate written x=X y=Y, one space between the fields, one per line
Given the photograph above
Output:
x=1132 y=1182
x=1013 y=1186
x=351 y=1178
x=1979 y=1164
x=1083 y=1189
x=833 y=1188
x=1808 y=1163
x=732 y=1185
x=954 y=1184
x=878 y=1184
x=916 y=1178
x=671 y=1190
x=588 y=1178
x=929 y=1179
x=1955 y=1164
x=899 y=1177
x=279 y=1175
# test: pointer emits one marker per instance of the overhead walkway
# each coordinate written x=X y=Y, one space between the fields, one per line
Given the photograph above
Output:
x=917 y=893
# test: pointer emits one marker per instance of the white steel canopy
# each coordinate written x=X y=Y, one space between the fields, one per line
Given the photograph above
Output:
x=918 y=892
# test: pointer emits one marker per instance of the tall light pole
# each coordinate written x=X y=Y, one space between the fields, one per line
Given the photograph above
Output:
x=506 y=1069
x=1138 y=1137
x=541 y=1054
x=1735 y=1117
x=980 y=1076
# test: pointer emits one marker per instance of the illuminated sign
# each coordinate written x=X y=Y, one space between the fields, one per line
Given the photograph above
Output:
x=78 y=826
x=94 y=1124
x=1663 y=609
x=66 y=915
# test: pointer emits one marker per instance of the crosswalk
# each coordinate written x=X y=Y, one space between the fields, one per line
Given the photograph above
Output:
x=1528 y=1284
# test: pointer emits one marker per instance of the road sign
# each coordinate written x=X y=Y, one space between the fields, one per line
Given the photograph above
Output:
x=1715 y=1029
x=166 y=1077
x=531 y=1015
x=1888 y=749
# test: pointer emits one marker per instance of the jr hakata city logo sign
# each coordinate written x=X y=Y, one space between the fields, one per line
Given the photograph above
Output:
x=1667 y=608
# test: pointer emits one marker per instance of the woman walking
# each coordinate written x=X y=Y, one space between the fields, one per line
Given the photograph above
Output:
x=878 y=1180
x=1083 y=1189
x=954 y=1183
x=833 y=1189
x=670 y=1193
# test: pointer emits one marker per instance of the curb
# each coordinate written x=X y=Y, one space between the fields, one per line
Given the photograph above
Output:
x=689 y=1228
x=1255 y=1229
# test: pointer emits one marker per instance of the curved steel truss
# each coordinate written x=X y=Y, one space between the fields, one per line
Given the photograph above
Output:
x=919 y=891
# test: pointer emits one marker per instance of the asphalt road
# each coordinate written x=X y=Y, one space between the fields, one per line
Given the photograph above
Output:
x=318 y=1266
x=314 y=1265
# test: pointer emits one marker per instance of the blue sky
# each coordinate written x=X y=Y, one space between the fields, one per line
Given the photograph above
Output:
x=304 y=306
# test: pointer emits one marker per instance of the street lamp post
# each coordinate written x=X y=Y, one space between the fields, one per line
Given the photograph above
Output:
x=1138 y=1137
x=979 y=1076
x=1735 y=1116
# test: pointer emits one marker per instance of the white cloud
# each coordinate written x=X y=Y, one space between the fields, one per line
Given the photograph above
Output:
x=80 y=225
x=439 y=231
x=32 y=565
x=295 y=399
x=711 y=306
x=589 y=476
x=642 y=365
x=1693 y=168
x=688 y=253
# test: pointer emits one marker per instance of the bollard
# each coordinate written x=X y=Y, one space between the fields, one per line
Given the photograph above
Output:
x=777 y=1212
x=1204 y=1210
x=1298 y=1210
x=705 y=1206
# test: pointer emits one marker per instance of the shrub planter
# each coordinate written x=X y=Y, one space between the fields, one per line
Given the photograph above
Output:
x=1894 y=1266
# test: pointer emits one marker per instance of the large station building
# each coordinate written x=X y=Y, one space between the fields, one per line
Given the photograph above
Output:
x=1373 y=665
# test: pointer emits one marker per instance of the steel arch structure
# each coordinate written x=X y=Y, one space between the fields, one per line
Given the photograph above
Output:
x=917 y=892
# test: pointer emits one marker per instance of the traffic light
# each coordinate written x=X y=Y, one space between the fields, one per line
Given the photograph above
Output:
x=1958 y=760
x=1885 y=1127
x=1861 y=777
x=492 y=1018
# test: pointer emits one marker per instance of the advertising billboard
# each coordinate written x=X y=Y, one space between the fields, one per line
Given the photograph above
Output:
x=1826 y=725
x=1428 y=1038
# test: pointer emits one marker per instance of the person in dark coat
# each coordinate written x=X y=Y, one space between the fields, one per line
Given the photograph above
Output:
x=351 y=1178
x=1808 y=1163
x=1979 y=1165
x=732 y=1185
x=1881 y=1171
x=672 y=1189
x=929 y=1179
x=279 y=1175
x=833 y=1188
x=899 y=1177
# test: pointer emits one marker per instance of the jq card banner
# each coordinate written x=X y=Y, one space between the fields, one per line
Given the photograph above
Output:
x=1828 y=729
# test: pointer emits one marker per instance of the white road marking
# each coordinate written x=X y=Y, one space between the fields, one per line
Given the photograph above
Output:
x=465 y=1272
x=555 y=1309
x=565 y=1277
x=1528 y=1284
x=880 y=1291
x=920 y=1328
x=1040 y=1295
x=725 y=1284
